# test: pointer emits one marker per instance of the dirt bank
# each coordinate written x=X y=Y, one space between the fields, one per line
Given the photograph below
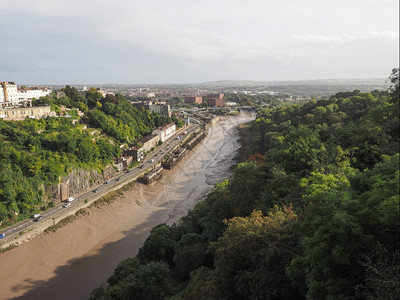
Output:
x=244 y=141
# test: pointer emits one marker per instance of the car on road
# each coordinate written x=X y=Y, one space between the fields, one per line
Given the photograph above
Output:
x=70 y=199
x=36 y=216
x=118 y=179
x=128 y=171
x=107 y=182
x=38 y=219
x=66 y=205
x=152 y=160
x=2 y=235
x=95 y=190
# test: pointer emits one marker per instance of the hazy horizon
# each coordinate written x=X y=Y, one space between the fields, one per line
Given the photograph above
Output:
x=330 y=81
x=173 y=42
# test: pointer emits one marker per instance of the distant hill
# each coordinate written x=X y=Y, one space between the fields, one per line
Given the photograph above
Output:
x=309 y=88
x=250 y=83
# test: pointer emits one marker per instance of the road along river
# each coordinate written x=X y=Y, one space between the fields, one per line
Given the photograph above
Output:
x=79 y=257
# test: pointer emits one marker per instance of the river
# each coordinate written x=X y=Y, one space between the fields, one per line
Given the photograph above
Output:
x=79 y=257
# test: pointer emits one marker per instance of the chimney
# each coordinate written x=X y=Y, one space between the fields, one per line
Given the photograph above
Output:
x=4 y=84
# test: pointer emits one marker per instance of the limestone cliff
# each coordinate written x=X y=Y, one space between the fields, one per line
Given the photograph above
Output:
x=77 y=182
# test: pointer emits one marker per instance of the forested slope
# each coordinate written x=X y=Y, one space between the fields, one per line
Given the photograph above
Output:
x=36 y=153
x=313 y=213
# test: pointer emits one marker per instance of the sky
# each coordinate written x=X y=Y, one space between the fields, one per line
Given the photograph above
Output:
x=192 y=41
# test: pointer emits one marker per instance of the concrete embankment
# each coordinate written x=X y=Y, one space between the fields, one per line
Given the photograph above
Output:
x=197 y=139
x=153 y=175
x=188 y=143
x=179 y=154
x=208 y=118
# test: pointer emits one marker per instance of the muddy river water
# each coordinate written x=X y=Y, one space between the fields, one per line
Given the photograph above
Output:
x=79 y=257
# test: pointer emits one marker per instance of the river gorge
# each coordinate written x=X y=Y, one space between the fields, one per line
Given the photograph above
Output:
x=79 y=257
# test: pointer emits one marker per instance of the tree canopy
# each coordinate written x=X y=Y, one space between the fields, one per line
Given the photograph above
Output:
x=313 y=213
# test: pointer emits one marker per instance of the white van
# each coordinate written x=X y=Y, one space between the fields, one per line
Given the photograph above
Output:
x=70 y=199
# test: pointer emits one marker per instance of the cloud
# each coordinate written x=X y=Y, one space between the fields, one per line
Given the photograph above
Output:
x=342 y=39
x=181 y=41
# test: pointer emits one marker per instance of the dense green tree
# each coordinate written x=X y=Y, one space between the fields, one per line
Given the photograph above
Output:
x=301 y=150
x=190 y=254
x=252 y=256
x=93 y=97
x=3 y=213
x=378 y=194
x=395 y=85
x=245 y=187
x=203 y=284
x=73 y=94
x=332 y=237
x=149 y=281
x=160 y=246
x=382 y=274
x=123 y=269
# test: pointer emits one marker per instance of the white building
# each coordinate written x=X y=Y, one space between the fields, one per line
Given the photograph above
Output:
x=10 y=95
x=30 y=93
x=165 y=132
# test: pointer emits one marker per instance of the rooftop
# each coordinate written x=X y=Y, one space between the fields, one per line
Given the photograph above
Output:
x=166 y=126
x=147 y=138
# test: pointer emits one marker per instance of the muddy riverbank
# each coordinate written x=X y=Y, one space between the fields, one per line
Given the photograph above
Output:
x=69 y=263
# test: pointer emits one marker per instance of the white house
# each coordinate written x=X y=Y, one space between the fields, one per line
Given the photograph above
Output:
x=165 y=132
x=33 y=92
x=10 y=95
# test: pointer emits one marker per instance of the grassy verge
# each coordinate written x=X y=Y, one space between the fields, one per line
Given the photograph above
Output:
x=12 y=246
x=111 y=196
x=62 y=223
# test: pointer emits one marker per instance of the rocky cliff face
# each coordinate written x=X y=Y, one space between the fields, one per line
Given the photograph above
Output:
x=77 y=182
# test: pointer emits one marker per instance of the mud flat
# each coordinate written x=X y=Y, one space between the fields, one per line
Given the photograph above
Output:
x=69 y=263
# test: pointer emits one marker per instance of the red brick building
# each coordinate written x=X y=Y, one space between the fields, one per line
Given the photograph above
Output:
x=215 y=100
x=193 y=99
